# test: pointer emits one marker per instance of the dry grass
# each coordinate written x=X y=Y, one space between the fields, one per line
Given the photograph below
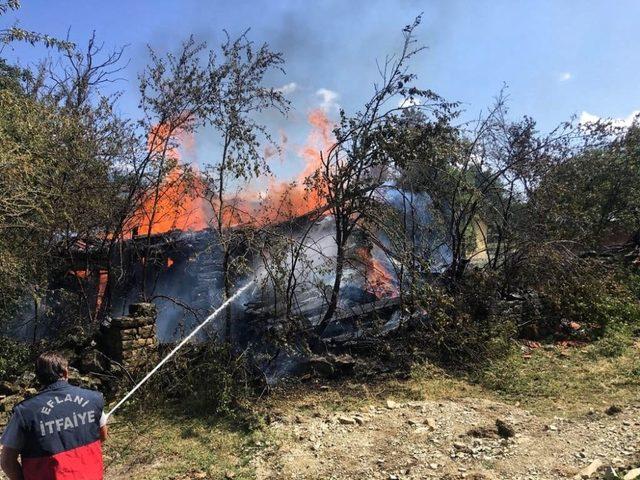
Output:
x=551 y=381
x=546 y=380
x=166 y=445
x=565 y=380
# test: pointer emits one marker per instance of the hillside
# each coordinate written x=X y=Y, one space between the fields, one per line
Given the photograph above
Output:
x=556 y=400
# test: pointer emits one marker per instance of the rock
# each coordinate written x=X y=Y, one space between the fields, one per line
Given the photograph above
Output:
x=552 y=428
x=124 y=323
x=431 y=423
x=505 y=430
x=90 y=361
x=229 y=475
x=331 y=366
x=359 y=420
x=613 y=410
x=482 y=432
x=347 y=420
x=586 y=472
x=461 y=447
x=142 y=310
x=8 y=388
x=391 y=405
x=75 y=378
x=199 y=475
x=632 y=474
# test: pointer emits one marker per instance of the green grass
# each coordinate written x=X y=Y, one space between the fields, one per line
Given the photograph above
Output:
x=569 y=380
x=170 y=445
x=174 y=444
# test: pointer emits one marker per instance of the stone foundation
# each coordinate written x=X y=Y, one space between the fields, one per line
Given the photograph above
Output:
x=131 y=340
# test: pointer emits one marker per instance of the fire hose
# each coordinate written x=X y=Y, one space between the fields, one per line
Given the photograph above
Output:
x=226 y=303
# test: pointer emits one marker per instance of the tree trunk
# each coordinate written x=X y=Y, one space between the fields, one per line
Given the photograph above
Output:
x=335 y=293
x=227 y=294
x=36 y=306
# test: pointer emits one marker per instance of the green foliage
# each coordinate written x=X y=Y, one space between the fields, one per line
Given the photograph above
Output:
x=594 y=196
x=569 y=288
x=54 y=188
x=462 y=329
x=615 y=341
x=208 y=379
x=15 y=358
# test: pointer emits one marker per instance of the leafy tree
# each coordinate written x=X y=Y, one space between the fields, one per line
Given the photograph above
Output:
x=354 y=169
x=17 y=34
x=54 y=191
x=593 y=197
x=239 y=95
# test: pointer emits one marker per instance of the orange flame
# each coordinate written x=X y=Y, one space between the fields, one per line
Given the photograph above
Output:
x=379 y=280
x=175 y=204
x=286 y=200
x=320 y=140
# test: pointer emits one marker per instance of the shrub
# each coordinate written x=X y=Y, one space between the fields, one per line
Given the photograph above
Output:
x=15 y=358
x=462 y=329
x=615 y=341
x=205 y=378
x=588 y=291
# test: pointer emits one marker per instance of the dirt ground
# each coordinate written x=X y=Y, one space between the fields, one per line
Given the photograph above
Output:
x=447 y=440
x=554 y=406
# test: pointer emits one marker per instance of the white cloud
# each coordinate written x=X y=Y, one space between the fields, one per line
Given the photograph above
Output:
x=408 y=102
x=328 y=99
x=565 y=77
x=586 y=117
x=288 y=88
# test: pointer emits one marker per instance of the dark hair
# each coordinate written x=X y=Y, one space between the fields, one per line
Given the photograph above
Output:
x=51 y=367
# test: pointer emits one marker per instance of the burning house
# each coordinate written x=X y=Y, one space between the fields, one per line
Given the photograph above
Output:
x=171 y=254
x=181 y=272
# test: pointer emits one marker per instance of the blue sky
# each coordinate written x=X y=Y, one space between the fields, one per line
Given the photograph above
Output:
x=558 y=57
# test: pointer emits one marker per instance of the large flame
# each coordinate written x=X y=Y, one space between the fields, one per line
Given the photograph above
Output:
x=293 y=199
x=176 y=202
x=176 y=205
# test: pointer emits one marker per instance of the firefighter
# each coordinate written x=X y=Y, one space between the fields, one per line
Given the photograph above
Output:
x=57 y=434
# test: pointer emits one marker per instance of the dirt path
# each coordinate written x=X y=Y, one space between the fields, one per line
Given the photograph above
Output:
x=446 y=440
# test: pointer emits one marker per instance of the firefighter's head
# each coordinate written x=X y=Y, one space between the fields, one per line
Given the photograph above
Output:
x=51 y=367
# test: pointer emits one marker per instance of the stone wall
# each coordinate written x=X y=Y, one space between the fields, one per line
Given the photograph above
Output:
x=131 y=340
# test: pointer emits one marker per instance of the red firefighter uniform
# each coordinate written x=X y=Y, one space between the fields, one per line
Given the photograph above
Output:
x=57 y=433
